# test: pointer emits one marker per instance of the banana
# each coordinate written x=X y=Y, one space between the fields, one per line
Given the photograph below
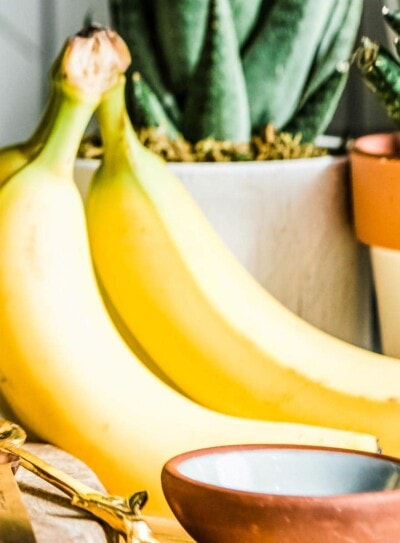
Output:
x=65 y=370
x=13 y=157
x=218 y=335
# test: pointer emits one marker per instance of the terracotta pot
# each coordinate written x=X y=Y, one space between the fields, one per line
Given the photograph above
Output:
x=289 y=223
x=375 y=168
x=375 y=172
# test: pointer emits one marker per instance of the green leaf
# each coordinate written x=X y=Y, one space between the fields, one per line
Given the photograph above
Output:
x=180 y=27
x=245 y=15
x=147 y=110
x=381 y=73
x=337 y=44
x=317 y=111
x=134 y=24
x=216 y=105
x=392 y=18
x=278 y=60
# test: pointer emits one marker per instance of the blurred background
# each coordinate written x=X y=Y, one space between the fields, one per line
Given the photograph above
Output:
x=32 y=33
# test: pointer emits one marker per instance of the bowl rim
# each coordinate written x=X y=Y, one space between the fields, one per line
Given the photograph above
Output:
x=170 y=469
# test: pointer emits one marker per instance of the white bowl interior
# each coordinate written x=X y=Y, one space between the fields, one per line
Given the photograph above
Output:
x=293 y=472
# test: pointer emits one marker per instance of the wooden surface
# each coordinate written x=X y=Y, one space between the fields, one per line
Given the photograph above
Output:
x=168 y=531
x=54 y=520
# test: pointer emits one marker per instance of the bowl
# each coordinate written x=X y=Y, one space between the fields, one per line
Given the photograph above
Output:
x=284 y=494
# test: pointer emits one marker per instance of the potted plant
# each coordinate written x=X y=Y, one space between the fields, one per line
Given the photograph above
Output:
x=375 y=173
x=227 y=91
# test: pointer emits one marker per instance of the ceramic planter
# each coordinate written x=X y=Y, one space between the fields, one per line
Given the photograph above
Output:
x=375 y=171
x=289 y=224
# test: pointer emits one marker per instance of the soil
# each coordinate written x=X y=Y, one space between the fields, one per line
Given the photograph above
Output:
x=267 y=145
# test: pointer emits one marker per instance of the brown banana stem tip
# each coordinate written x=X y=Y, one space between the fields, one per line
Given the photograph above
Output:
x=93 y=59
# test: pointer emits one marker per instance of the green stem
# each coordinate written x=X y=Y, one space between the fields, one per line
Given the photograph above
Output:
x=69 y=119
x=115 y=126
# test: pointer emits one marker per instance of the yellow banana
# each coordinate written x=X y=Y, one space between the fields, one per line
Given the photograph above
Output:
x=204 y=320
x=65 y=370
x=14 y=156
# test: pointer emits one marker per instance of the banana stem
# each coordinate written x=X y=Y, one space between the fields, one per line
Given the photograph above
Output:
x=15 y=156
x=65 y=130
x=38 y=137
x=115 y=126
x=34 y=142
x=90 y=64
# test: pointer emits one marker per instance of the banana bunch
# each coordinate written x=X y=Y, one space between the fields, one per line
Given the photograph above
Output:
x=209 y=326
x=65 y=370
x=13 y=157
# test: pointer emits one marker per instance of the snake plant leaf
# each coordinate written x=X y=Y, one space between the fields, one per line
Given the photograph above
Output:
x=291 y=33
x=245 y=16
x=392 y=18
x=147 y=110
x=216 y=105
x=333 y=27
x=336 y=46
x=132 y=21
x=316 y=113
x=381 y=74
x=180 y=27
x=224 y=69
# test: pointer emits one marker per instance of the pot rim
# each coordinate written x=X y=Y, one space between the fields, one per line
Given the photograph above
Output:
x=293 y=162
x=375 y=176
x=372 y=141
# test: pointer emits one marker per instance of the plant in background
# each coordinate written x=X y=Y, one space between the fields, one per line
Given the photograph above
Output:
x=222 y=71
x=380 y=69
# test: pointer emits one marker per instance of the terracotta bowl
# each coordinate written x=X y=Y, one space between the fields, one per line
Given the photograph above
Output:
x=284 y=494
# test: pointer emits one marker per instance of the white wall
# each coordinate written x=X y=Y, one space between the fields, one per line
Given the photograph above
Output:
x=31 y=34
x=20 y=64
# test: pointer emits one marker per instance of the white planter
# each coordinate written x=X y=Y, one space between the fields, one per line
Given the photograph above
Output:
x=289 y=223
